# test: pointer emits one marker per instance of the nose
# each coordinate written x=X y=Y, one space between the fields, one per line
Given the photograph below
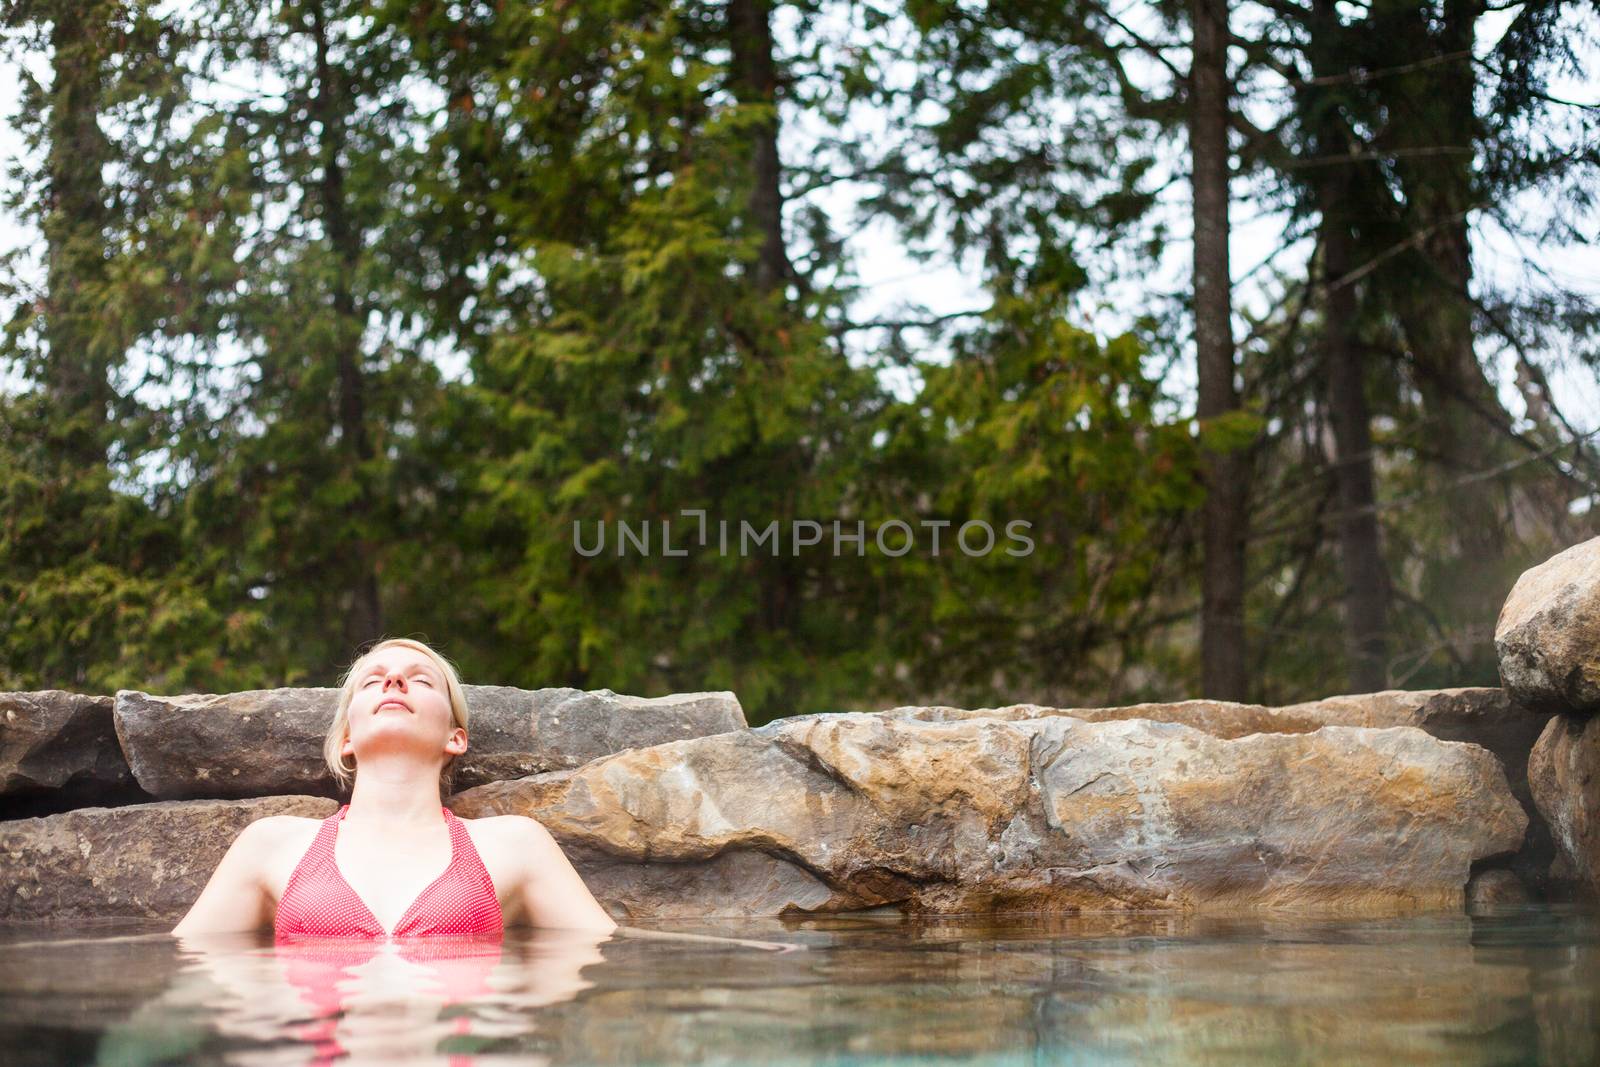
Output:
x=394 y=676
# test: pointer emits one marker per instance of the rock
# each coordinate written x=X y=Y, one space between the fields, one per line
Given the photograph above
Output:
x=1482 y=716
x=1049 y=813
x=58 y=750
x=1564 y=772
x=255 y=743
x=759 y=884
x=1219 y=718
x=1548 y=634
x=1495 y=888
x=269 y=742
x=1451 y=714
x=517 y=732
x=139 y=861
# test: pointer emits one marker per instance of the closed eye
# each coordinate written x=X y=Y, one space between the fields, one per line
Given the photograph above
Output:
x=415 y=678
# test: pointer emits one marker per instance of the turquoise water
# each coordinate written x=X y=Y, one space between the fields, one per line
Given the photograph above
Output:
x=1518 y=985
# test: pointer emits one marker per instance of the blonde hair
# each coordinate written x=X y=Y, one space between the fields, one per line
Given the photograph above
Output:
x=334 y=742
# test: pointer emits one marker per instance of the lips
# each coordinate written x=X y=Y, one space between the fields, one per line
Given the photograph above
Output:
x=392 y=701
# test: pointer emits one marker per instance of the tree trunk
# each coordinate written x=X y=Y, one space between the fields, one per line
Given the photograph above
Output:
x=755 y=81
x=364 y=616
x=1222 y=641
x=1366 y=578
x=1433 y=128
x=76 y=373
x=1460 y=402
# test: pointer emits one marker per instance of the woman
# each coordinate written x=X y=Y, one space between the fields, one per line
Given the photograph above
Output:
x=394 y=862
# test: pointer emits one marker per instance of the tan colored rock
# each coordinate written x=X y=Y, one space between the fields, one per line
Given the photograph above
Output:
x=1452 y=714
x=143 y=860
x=1564 y=772
x=1548 y=634
x=269 y=742
x=1219 y=718
x=60 y=748
x=1049 y=814
x=1482 y=716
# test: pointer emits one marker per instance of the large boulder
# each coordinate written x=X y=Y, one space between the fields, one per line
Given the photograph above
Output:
x=140 y=861
x=1548 y=634
x=229 y=745
x=268 y=742
x=1481 y=716
x=1052 y=813
x=1564 y=772
x=58 y=750
x=530 y=731
x=1484 y=716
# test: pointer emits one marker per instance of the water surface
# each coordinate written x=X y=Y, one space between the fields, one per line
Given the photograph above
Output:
x=1517 y=985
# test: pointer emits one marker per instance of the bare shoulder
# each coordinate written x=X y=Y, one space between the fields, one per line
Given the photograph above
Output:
x=511 y=828
x=248 y=881
x=271 y=830
x=509 y=838
x=274 y=843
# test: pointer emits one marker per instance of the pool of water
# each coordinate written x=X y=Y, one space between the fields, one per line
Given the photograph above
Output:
x=1518 y=985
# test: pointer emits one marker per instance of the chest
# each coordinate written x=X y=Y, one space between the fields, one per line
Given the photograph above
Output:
x=365 y=885
x=391 y=874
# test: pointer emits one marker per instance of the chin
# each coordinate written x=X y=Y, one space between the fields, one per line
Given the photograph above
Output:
x=407 y=731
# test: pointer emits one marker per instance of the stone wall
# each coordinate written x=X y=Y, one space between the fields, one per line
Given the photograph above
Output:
x=122 y=806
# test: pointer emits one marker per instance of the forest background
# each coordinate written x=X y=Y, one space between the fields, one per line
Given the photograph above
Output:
x=331 y=319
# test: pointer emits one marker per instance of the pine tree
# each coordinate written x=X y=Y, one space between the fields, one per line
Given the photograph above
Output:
x=93 y=591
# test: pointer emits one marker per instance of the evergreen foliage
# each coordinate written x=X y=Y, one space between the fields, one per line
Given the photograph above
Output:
x=361 y=317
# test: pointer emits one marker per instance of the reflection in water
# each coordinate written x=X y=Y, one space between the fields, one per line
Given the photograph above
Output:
x=1518 y=986
x=382 y=1001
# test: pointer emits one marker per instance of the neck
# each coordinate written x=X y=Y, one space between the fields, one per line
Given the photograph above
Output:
x=395 y=794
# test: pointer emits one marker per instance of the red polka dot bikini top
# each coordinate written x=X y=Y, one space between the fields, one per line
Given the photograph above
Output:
x=318 y=902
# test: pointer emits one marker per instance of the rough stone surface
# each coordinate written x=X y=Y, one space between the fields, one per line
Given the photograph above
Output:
x=524 y=731
x=1548 y=634
x=269 y=742
x=140 y=861
x=1219 y=718
x=1048 y=813
x=1564 y=772
x=1481 y=715
x=1451 y=714
x=230 y=745
x=59 y=749
x=1495 y=888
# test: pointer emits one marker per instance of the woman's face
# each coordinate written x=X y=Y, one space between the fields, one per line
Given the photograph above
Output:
x=400 y=698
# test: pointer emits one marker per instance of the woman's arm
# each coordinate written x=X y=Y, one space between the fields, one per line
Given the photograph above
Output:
x=236 y=897
x=553 y=893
